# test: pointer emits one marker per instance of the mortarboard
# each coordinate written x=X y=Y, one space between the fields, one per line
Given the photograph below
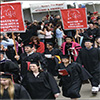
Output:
x=50 y=43
x=95 y=23
x=32 y=61
x=64 y=56
x=28 y=45
x=6 y=75
x=89 y=40
x=68 y=36
x=91 y=22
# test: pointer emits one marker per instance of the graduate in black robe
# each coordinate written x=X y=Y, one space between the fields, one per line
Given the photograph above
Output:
x=91 y=32
x=11 y=90
x=40 y=85
x=7 y=65
x=71 y=81
x=90 y=58
x=30 y=53
x=50 y=53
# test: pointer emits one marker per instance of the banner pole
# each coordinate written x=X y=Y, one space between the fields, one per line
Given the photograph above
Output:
x=78 y=40
x=77 y=37
x=14 y=43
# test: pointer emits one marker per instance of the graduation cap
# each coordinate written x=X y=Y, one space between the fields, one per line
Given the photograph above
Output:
x=6 y=75
x=91 y=22
x=50 y=43
x=95 y=23
x=68 y=36
x=28 y=45
x=32 y=61
x=89 y=40
x=64 y=56
x=1 y=52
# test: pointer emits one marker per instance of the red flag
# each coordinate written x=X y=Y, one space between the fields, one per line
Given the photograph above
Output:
x=11 y=17
x=74 y=18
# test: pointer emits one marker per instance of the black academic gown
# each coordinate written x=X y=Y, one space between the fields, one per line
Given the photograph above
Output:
x=10 y=52
x=35 y=56
x=9 y=66
x=90 y=60
x=91 y=32
x=19 y=93
x=71 y=83
x=51 y=62
x=41 y=87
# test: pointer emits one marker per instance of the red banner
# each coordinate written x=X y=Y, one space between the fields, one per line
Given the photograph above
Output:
x=74 y=18
x=11 y=18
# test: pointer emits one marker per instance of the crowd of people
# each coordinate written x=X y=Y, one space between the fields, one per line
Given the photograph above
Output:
x=46 y=51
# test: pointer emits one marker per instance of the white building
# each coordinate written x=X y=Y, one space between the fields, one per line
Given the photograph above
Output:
x=35 y=10
x=38 y=10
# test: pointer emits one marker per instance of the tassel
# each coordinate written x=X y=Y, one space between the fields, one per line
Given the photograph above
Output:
x=12 y=78
x=28 y=65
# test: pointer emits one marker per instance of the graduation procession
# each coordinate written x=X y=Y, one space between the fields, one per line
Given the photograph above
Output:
x=53 y=56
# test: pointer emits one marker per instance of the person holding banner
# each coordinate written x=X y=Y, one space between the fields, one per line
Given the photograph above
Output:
x=30 y=52
x=8 y=45
x=5 y=41
x=10 y=90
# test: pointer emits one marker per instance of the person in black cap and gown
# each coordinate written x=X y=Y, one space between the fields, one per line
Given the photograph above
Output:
x=72 y=76
x=29 y=53
x=6 y=65
x=10 y=90
x=40 y=84
x=51 y=53
x=89 y=57
x=91 y=32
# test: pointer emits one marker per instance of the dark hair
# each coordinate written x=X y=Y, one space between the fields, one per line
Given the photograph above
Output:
x=40 y=23
x=47 y=28
x=38 y=64
x=35 y=62
x=35 y=38
x=38 y=27
x=58 y=25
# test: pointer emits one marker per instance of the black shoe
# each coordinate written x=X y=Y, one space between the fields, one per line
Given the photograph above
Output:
x=94 y=92
x=85 y=82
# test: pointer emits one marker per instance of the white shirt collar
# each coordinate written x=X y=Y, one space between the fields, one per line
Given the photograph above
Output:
x=30 y=53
